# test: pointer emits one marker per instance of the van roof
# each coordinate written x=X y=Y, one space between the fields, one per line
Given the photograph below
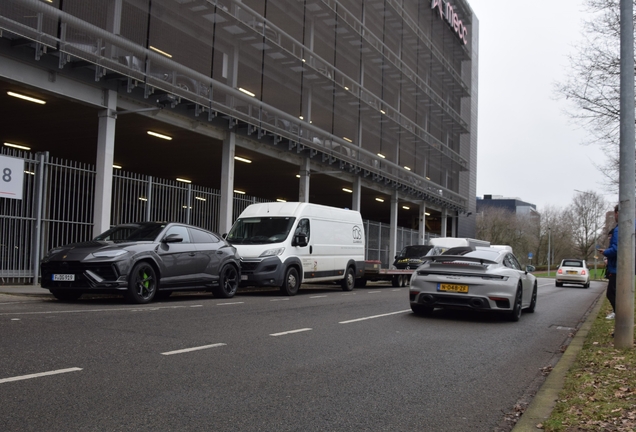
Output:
x=298 y=209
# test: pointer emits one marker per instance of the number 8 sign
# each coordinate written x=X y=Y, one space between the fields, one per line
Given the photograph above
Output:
x=11 y=177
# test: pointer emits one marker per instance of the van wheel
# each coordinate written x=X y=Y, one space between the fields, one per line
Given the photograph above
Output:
x=349 y=280
x=291 y=283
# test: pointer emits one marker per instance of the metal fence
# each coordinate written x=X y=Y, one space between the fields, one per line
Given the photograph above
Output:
x=57 y=208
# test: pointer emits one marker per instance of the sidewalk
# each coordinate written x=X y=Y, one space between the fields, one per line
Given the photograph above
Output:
x=27 y=290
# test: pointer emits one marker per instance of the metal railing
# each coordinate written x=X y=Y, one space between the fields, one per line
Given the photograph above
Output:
x=57 y=208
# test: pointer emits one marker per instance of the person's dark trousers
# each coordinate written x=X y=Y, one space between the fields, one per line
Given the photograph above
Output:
x=611 y=290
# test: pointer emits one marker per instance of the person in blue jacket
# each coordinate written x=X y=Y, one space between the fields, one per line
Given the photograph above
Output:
x=612 y=253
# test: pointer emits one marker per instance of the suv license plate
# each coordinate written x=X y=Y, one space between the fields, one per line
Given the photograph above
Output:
x=452 y=288
x=64 y=277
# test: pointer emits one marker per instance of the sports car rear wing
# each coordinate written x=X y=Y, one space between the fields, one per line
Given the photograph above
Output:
x=453 y=258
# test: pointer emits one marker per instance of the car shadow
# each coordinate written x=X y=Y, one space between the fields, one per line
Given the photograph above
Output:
x=465 y=315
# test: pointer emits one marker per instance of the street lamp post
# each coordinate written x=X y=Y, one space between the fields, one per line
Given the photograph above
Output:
x=549 y=231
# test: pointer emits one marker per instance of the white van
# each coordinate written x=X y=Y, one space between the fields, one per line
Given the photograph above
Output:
x=286 y=244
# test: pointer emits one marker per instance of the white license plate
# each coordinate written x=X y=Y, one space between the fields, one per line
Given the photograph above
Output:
x=63 y=277
x=243 y=277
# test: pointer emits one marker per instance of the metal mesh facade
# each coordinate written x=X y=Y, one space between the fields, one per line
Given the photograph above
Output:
x=351 y=79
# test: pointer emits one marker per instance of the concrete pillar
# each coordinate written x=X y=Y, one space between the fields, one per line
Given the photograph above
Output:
x=227 y=183
x=393 y=227
x=444 y=223
x=421 y=235
x=454 y=220
x=356 y=197
x=104 y=163
x=303 y=187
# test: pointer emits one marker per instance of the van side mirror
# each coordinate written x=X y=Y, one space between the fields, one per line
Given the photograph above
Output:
x=300 y=240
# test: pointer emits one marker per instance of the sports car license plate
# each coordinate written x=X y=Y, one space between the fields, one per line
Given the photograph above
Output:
x=452 y=288
x=63 y=277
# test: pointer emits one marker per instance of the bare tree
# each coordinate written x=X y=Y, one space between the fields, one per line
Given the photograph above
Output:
x=502 y=227
x=587 y=218
x=594 y=83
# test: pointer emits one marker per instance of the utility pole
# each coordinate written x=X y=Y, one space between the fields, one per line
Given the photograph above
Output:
x=624 y=330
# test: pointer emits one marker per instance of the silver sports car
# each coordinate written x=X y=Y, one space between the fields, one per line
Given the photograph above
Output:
x=478 y=278
x=143 y=261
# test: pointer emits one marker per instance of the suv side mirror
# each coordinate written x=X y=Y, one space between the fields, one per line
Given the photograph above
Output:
x=300 y=240
x=172 y=238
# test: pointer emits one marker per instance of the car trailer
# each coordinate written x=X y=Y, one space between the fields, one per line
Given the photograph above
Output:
x=373 y=272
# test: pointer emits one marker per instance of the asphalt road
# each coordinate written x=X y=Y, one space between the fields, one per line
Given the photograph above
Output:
x=324 y=360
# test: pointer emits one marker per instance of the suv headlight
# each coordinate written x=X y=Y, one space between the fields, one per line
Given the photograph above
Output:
x=272 y=252
x=109 y=253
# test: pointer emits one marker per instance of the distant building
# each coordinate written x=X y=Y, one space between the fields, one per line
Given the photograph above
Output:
x=513 y=205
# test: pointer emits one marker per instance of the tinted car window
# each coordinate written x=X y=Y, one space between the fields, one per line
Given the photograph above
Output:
x=572 y=264
x=181 y=231
x=199 y=236
x=141 y=232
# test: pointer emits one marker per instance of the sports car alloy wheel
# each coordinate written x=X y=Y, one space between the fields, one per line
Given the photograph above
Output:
x=228 y=282
x=142 y=283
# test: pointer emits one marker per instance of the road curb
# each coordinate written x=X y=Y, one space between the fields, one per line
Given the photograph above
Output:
x=544 y=401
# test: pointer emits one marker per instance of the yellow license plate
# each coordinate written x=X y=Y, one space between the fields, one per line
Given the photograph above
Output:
x=572 y=272
x=452 y=288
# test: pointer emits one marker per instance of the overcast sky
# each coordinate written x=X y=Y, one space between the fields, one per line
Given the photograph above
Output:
x=528 y=147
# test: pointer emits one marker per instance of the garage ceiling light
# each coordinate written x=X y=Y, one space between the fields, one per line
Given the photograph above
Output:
x=26 y=98
x=158 y=135
x=117 y=166
x=406 y=207
x=240 y=192
x=407 y=168
x=347 y=139
x=379 y=200
x=18 y=146
x=247 y=92
x=242 y=159
x=381 y=155
x=427 y=214
x=200 y=198
x=280 y=200
x=347 y=190
x=184 y=180
x=160 y=52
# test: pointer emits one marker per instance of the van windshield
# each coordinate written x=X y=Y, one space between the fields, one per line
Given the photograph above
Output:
x=260 y=230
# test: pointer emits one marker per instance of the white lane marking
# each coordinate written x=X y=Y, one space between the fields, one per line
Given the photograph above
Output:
x=290 y=332
x=373 y=292
x=15 y=319
x=231 y=303
x=285 y=299
x=348 y=293
x=181 y=351
x=41 y=374
x=374 y=316
x=321 y=296
x=196 y=306
x=399 y=289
